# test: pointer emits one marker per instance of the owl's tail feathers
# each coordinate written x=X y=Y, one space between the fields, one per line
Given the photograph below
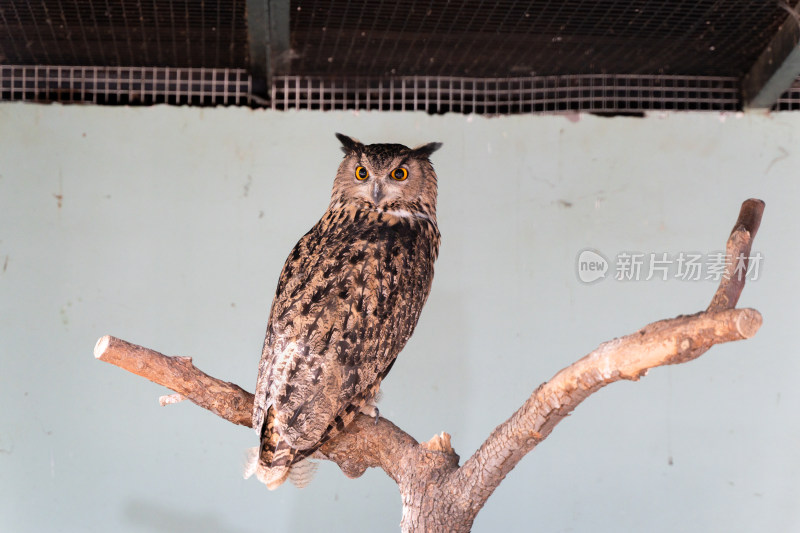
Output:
x=274 y=461
x=271 y=476
x=271 y=461
x=250 y=462
x=300 y=474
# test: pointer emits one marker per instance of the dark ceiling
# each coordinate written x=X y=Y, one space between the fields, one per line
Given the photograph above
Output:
x=124 y=33
x=510 y=38
x=406 y=37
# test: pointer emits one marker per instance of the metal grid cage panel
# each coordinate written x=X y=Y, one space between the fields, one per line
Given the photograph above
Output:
x=178 y=33
x=380 y=38
x=500 y=96
x=377 y=38
x=125 y=85
x=790 y=100
x=432 y=94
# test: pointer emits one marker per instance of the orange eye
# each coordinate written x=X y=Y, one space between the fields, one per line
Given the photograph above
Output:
x=361 y=173
x=400 y=174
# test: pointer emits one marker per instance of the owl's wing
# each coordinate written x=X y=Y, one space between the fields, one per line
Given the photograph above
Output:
x=291 y=276
x=347 y=302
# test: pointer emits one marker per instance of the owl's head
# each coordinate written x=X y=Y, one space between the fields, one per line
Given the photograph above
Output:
x=386 y=177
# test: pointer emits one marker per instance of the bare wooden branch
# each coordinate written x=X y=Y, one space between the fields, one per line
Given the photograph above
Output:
x=224 y=399
x=677 y=340
x=436 y=493
x=737 y=251
x=383 y=448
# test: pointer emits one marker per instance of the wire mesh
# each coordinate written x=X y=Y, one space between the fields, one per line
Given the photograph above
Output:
x=500 y=96
x=431 y=94
x=790 y=100
x=125 y=85
x=381 y=38
x=211 y=34
x=475 y=38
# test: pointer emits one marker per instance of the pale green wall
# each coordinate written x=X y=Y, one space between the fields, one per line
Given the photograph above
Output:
x=171 y=229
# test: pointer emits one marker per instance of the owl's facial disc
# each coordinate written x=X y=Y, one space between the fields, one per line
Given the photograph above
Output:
x=386 y=177
x=379 y=182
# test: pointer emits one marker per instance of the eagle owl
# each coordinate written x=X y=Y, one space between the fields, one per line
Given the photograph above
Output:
x=348 y=299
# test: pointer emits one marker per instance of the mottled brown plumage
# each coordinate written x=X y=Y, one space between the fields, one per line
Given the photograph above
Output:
x=348 y=299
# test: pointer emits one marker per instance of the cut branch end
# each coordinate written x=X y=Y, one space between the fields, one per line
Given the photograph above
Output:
x=101 y=346
x=748 y=323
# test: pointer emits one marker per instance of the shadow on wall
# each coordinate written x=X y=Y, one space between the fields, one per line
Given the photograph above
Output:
x=154 y=516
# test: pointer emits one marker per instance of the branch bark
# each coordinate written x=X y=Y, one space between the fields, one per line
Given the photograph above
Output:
x=437 y=494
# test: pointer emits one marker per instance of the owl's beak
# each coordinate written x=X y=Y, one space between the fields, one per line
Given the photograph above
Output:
x=377 y=193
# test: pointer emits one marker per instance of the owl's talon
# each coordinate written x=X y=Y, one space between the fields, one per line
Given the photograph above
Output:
x=370 y=409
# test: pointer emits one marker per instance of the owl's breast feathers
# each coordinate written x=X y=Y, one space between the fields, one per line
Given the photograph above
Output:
x=348 y=299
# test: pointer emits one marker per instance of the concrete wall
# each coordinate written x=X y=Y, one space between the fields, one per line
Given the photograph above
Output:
x=168 y=227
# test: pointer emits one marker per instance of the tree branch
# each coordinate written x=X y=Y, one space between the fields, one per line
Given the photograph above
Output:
x=673 y=341
x=224 y=399
x=738 y=246
x=365 y=444
x=435 y=491
x=661 y=343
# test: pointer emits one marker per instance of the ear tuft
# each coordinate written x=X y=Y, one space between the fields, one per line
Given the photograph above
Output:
x=349 y=144
x=426 y=150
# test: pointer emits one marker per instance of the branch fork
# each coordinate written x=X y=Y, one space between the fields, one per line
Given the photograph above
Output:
x=437 y=493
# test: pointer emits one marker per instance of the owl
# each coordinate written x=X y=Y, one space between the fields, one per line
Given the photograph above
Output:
x=348 y=299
